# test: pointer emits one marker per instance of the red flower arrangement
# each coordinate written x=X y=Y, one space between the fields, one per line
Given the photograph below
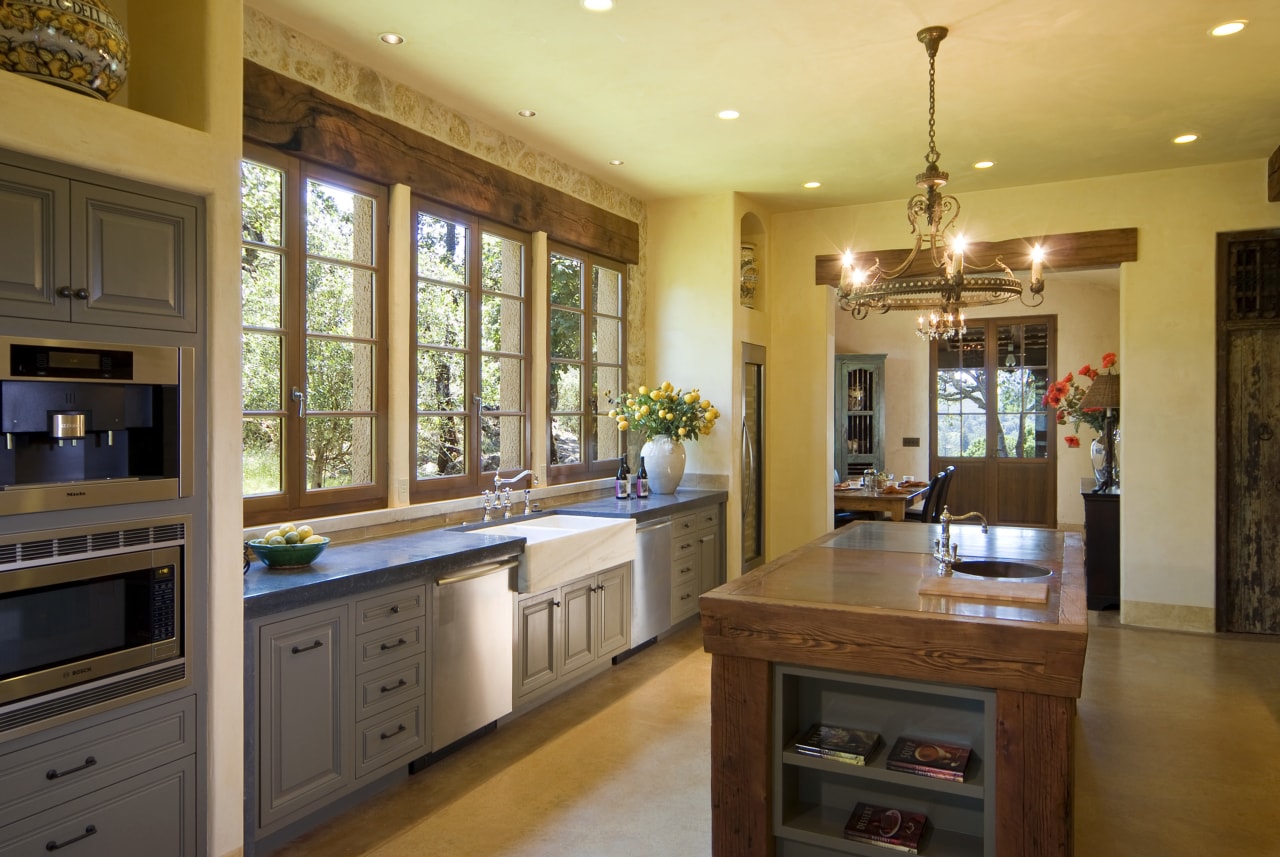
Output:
x=1066 y=394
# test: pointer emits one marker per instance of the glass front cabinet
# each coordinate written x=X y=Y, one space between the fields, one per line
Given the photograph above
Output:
x=859 y=409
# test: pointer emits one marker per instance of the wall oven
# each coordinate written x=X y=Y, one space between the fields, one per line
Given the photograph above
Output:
x=90 y=618
x=94 y=424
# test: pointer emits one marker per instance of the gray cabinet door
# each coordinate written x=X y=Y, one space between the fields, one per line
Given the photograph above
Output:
x=34 y=256
x=305 y=725
x=578 y=640
x=152 y=814
x=135 y=258
x=613 y=611
x=709 y=560
x=536 y=642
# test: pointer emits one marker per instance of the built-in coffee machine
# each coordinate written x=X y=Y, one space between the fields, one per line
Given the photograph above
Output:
x=94 y=424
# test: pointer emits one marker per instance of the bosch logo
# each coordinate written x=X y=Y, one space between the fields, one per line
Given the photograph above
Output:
x=77 y=493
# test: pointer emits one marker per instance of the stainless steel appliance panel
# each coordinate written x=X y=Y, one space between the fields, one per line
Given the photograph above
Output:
x=472 y=637
x=651 y=582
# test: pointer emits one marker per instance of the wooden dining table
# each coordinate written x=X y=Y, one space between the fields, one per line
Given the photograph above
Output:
x=863 y=500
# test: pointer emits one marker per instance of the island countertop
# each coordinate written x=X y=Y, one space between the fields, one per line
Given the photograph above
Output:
x=850 y=603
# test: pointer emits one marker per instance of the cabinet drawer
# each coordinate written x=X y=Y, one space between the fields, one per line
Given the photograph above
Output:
x=54 y=771
x=390 y=644
x=684 y=600
x=390 y=686
x=684 y=569
x=390 y=608
x=708 y=518
x=153 y=813
x=383 y=740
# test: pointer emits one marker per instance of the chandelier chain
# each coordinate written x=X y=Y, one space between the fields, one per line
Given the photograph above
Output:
x=932 y=156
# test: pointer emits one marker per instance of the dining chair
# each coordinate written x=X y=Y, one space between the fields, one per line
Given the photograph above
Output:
x=930 y=508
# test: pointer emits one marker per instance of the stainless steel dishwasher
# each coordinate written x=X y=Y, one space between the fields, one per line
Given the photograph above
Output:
x=471 y=641
x=651 y=582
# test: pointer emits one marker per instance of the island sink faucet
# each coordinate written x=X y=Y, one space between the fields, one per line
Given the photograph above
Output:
x=946 y=553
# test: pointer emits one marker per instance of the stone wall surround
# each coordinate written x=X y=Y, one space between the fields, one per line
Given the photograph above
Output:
x=282 y=49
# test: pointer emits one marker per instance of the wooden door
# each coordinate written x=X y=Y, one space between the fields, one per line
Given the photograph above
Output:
x=613 y=612
x=1248 y=490
x=988 y=420
x=536 y=642
x=577 y=635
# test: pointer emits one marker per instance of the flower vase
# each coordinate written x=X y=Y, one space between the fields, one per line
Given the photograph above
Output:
x=1098 y=458
x=664 y=462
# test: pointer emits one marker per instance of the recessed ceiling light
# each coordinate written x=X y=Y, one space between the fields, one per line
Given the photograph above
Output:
x=1230 y=28
x=984 y=165
x=597 y=5
x=616 y=163
x=812 y=185
x=392 y=38
x=728 y=114
x=527 y=114
x=1186 y=138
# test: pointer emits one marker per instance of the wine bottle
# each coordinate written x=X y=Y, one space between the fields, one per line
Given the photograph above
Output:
x=622 y=483
x=642 y=481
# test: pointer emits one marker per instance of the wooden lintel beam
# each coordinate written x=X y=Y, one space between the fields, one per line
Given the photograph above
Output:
x=1273 y=176
x=1065 y=251
x=296 y=118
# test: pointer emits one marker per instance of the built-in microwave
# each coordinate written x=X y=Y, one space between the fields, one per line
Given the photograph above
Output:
x=90 y=424
x=90 y=618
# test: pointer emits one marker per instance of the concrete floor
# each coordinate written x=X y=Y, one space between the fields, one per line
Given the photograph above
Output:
x=1177 y=753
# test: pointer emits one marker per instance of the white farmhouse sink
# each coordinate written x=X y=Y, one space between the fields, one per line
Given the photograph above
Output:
x=561 y=548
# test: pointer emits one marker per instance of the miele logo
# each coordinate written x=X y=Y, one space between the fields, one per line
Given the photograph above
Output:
x=80 y=671
x=77 y=493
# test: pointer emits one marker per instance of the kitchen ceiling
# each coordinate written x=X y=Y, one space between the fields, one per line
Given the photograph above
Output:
x=834 y=91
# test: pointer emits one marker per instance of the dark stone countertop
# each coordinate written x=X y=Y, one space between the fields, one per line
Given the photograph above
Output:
x=348 y=570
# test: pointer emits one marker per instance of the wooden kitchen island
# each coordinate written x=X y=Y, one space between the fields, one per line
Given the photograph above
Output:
x=838 y=631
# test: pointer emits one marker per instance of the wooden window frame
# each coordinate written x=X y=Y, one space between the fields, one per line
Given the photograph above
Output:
x=475 y=479
x=295 y=500
x=589 y=466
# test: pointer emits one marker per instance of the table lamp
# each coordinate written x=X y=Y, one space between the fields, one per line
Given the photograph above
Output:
x=1104 y=395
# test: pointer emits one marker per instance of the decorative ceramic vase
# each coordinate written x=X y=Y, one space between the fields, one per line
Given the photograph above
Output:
x=1098 y=458
x=77 y=44
x=664 y=461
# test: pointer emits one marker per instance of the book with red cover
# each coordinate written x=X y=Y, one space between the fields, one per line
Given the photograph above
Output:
x=854 y=746
x=928 y=758
x=892 y=828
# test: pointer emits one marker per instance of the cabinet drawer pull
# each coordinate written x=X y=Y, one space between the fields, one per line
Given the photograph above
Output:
x=297 y=650
x=54 y=846
x=395 y=608
x=401 y=683
x=685 y=546
x=555 y=603
x=53 y=773
x=385 y=735
x=397 y=644
x=686 y=596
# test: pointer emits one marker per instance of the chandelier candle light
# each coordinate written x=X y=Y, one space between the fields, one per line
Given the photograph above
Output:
x=941 y=297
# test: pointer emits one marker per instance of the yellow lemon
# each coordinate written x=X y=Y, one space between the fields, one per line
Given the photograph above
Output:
x=683 y=431
x=276 y=540
x=613 y=413
x=690 y=398
x=704 y=404
x=643 y=390
x=713 y=414
x=623 y=425
x=292 y=538
x=644 y=410
x=313 y=540
x=305 y=531
x=286 y=529
x=271 y=534
x=666 y=387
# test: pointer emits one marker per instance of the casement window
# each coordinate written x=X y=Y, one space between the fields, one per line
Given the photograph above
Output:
x=587 y=363
x=313 y=291
x=470 y=335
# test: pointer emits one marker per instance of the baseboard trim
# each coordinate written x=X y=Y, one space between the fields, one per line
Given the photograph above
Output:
x=1168 y=617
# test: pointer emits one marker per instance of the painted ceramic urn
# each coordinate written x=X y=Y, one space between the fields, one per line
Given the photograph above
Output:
x=77 y=44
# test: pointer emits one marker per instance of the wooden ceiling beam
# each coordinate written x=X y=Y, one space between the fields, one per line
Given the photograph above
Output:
x=298 y=119
x=1065 y=251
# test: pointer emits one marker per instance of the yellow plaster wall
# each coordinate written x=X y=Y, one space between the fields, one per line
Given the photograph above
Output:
x=1167 y=346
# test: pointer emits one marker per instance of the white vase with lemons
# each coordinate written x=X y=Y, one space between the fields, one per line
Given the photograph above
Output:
x=667 y=416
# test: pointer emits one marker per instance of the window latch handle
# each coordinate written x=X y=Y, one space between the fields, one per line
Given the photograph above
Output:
x=301 y=398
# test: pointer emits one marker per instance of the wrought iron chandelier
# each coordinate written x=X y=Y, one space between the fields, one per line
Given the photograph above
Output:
x=941 y=297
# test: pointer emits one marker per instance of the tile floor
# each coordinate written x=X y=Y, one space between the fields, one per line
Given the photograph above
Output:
x=1177 y=753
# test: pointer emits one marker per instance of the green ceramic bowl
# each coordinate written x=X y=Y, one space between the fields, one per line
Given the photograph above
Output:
x=287 y=556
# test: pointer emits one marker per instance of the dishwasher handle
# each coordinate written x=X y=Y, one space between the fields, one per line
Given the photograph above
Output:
x=479 y=571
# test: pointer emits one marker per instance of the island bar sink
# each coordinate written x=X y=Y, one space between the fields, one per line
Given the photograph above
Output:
x=1000 y=568
x=561 y=548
